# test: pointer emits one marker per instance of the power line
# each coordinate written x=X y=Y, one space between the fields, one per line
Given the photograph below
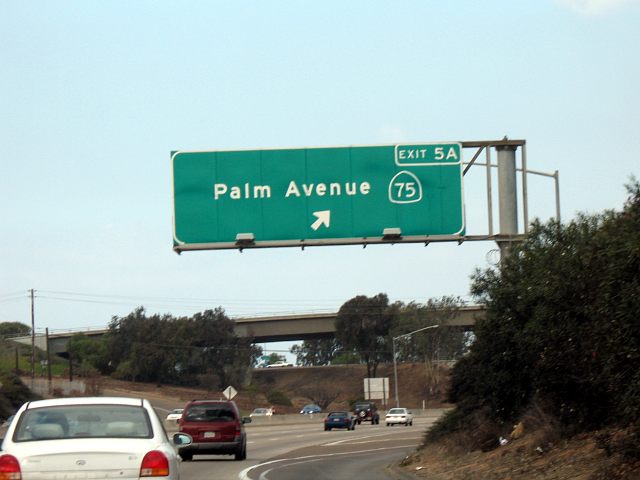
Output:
x=187 y=299
x=234 y=308
x=167 y=302
x=12 y=297
x=11 y=294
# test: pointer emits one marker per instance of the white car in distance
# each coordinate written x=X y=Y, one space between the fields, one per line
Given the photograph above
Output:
x=89 y=437
x=400 y=416
x=174 y=415
x=279 y=364
x=261 y=412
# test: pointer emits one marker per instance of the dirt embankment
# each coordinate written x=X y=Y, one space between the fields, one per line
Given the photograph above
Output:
x=580 y=458
x=339 y=386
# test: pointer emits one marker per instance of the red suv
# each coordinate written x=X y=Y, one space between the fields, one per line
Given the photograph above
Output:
x=216 y=428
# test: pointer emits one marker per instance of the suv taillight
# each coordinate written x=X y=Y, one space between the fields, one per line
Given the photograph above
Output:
x=154 y=464
x=9 y=468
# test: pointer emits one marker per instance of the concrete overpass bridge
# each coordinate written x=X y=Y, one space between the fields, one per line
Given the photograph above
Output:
x=265 y=329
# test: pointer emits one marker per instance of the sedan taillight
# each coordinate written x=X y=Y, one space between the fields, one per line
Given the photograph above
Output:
x=154 y=464
x=9 y=468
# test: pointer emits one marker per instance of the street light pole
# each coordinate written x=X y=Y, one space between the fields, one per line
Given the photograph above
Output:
x=395 y=363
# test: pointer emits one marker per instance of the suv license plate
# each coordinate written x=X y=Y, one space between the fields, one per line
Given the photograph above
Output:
x=209 y=434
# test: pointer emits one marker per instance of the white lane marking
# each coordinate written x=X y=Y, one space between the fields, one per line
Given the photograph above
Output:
x=263 y=475
x=244 y=474
x=360 y=439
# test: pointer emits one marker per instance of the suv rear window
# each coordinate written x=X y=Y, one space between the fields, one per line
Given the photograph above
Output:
x=209 y=413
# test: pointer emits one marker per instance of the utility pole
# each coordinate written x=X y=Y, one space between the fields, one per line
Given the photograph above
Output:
x=33 y=338
x=48 y=359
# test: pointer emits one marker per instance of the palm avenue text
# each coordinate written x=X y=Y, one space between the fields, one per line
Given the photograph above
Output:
x=333 y=189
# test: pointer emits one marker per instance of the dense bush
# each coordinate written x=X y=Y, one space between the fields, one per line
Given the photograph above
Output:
x=276 y=397
x=13 y=393
x=562 y=327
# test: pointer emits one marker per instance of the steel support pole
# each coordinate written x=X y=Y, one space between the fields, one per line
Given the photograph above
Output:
x=395 y=372
x=556 y=177
x=395 y=362
x=33 y=339
x=508 y=195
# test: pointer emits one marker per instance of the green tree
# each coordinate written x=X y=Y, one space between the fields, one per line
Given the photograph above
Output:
x=433 y=345
x=276 y=357
x=363 y=325
x=14 y=329
x=163 y=349
x=141 y=341
x=561 y=327
x=345 y=358
x=320 y=351
x=13 y=393
x=89 y=351
x=446 y=343
x=222 y=352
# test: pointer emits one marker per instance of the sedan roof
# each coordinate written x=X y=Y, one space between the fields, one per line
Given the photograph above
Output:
x=86 y=401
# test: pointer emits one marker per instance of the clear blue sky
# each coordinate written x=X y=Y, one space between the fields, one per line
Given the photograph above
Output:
x=95 y=95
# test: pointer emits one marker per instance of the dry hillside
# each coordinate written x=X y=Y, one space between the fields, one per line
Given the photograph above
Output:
x=338 y=385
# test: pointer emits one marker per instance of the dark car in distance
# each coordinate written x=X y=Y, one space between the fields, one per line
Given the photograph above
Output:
x=216 y=428
x=339 y=420
x=366 y=412
x=310 y=408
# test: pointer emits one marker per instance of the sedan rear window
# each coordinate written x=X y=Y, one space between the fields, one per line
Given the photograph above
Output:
x=397 y=411
x=83 y=421
x=338 y=414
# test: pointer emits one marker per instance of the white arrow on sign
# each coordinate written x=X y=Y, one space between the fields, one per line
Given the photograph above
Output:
x=323 y=217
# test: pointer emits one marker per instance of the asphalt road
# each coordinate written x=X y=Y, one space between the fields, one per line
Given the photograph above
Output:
x=286 y=451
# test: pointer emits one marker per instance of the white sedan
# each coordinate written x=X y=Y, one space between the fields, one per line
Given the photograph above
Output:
x=89 y=437
x=280 y=364
x=399 y=415
x=174 y=415
x=261 y=412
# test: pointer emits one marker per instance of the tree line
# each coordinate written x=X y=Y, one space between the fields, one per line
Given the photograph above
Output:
x=201 y=350
x=366 y=327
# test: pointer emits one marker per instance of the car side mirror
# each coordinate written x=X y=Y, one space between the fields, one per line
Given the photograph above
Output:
x=246 y=419
x=182 y=439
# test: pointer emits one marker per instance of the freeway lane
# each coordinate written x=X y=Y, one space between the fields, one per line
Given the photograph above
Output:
x=287 y=451
x=345 y=459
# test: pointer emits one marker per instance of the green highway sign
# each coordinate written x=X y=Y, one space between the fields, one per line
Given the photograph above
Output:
x=317 y=196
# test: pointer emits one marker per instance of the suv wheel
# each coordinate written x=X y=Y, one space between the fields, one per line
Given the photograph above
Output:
x=241 y=452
